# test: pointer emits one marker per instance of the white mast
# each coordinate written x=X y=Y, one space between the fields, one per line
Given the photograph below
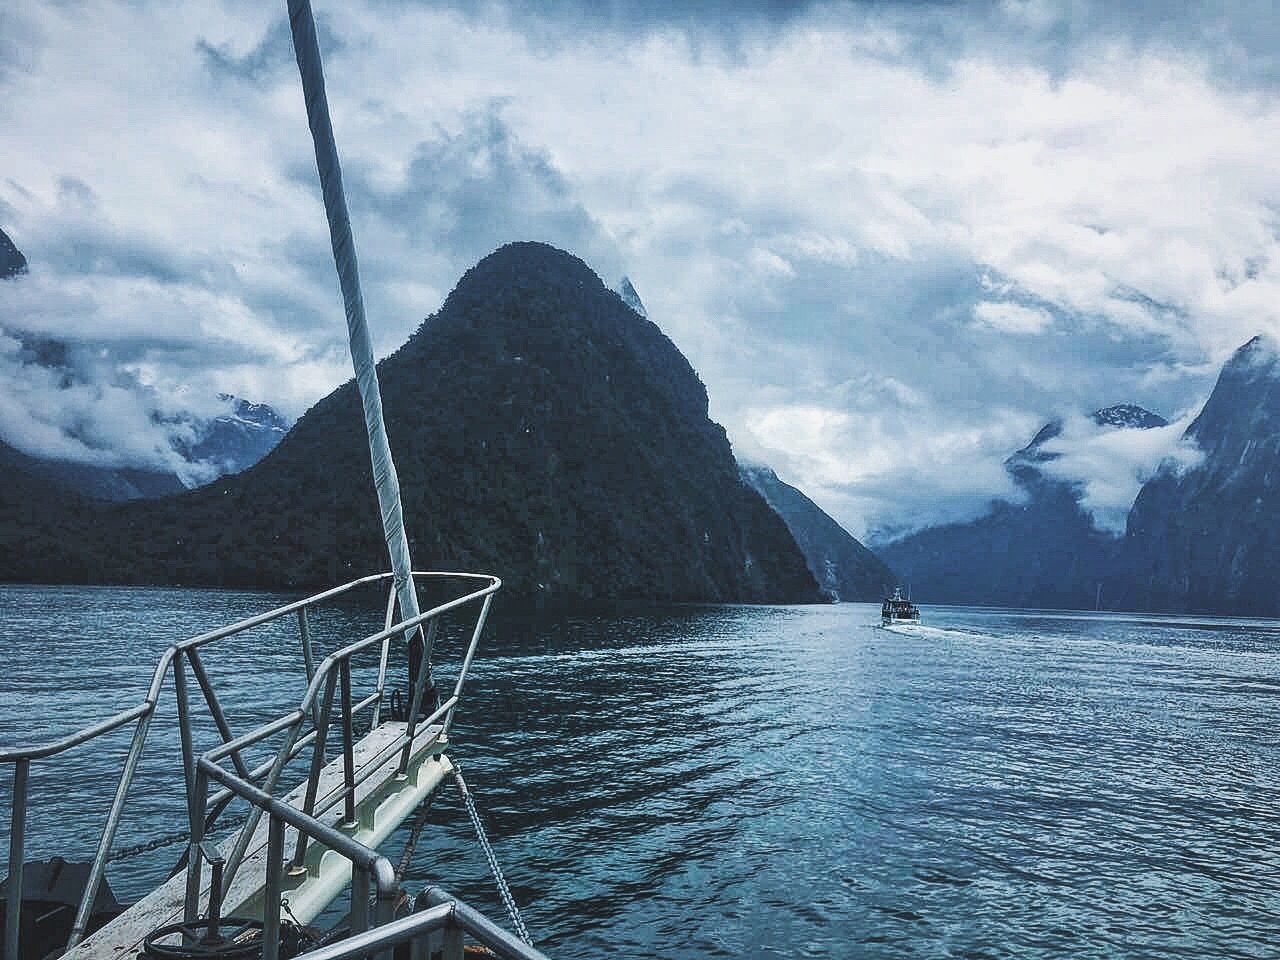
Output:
x=307 y=50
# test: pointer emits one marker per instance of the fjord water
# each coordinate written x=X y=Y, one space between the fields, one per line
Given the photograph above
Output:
x=762 y=781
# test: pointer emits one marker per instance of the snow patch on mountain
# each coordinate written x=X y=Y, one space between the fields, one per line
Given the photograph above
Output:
x=1129 y=416
x=627 y=292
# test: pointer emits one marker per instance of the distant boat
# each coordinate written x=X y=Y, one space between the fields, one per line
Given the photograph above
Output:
x=898 y=609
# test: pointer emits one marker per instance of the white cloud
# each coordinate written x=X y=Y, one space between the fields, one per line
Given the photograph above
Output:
x=1109 y=464
x=813 y=213
x=1011 y=317
x=875 y=473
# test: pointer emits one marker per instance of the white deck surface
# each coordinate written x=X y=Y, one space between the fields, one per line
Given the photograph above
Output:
x=382 y=803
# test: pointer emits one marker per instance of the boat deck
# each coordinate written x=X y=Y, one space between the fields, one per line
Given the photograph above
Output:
x=382 y=802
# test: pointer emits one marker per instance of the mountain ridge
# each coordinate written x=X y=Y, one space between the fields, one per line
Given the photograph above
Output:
x=542 y=430
x=1043 y=551
x=1203 y=538
x=841 y=564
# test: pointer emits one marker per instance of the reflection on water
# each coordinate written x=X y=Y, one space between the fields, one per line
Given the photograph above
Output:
x=765 y=782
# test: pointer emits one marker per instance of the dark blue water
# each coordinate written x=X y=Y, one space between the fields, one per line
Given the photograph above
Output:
x=765 y=782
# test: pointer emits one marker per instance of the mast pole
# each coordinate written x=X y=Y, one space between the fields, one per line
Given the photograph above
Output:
x=306 y=48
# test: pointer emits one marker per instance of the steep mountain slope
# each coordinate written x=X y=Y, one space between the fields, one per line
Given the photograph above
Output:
x=1043 y=551
x=39 y=520
x=1208 y=539
x=842 y=566
x=91 y=480
x=12 y=262
x=542 y=431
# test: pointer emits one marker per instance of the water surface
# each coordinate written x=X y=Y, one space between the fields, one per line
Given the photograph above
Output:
x=761 y=782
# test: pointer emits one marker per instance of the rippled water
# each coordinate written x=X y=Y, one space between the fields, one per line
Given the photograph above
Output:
x=766 y=782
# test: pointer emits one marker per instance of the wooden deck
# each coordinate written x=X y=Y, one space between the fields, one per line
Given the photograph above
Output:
x=382 y=803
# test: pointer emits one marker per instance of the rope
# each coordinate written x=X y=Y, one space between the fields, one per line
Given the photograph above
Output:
x=503 y=890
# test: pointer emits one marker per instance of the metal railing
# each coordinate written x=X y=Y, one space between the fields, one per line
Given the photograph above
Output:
x=202 y=810
x=440 y=914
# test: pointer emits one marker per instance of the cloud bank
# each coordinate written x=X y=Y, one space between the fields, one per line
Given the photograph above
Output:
x=893 y=239
x=1109 y=464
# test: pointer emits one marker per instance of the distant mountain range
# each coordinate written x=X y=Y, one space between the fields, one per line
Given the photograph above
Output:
x=1042 y=550
x=543 y=430
x=226 y=443
x=843 y=567
x=1204 y=538
x=236 y=440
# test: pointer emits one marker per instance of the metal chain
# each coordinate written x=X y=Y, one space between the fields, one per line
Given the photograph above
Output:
x=164 y=840
x=503 y=890
x=407 y=855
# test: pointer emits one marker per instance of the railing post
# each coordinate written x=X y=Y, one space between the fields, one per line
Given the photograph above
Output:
x=466 y=663
x=17 y=843
x=271 y=894
x=348 y=747
x=452 y=939
x=317 y=765
x=199 y=804
x=386 y=649
x=308 y=660
x=184 y=732
x=109 y=831
x=359 y=899
x=385 y=912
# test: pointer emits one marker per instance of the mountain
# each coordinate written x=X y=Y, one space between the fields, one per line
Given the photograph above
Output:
x=1129 y=416
x=88 y=479
x=1207 y=539
x=12 y=262
x=1043 y=551
x=542 y=431
x=40 y=521
x=225 y=444
x=629 y=296
x=843 y=567
x=237 y=440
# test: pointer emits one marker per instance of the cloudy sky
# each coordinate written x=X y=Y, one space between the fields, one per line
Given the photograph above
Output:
x=894 y=239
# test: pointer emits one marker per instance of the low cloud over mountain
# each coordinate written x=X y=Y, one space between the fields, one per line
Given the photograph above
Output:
x=979 y=219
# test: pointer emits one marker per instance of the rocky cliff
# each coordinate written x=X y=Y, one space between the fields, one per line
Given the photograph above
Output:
x=843 y=567
x=1208 y=538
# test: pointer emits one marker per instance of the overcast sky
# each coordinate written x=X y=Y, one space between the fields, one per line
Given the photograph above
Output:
x=893 y=239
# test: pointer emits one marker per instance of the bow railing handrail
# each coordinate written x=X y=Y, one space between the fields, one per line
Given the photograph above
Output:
x=438 y=911
x=186 y=651
x=90 y=732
